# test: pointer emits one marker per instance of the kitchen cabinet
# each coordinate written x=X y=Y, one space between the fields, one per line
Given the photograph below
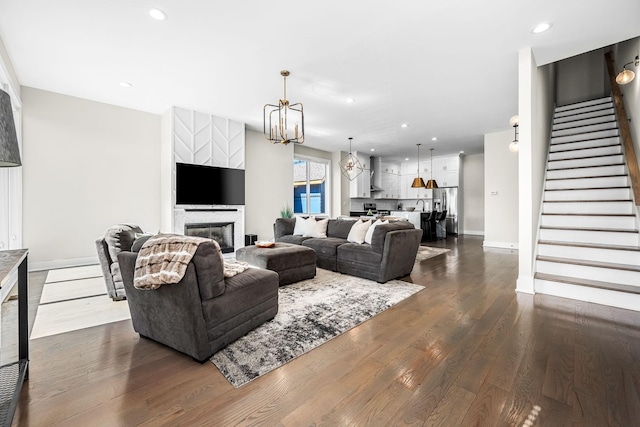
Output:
x=390 y=183
x=446 y=171
x=361 y=186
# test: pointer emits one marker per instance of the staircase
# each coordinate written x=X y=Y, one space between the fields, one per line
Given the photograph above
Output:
x=588 y=245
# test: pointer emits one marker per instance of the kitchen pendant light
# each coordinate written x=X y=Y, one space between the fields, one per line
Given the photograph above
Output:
x=283 y=123
x=432 y=182
x=350 y=166
x=418 y=182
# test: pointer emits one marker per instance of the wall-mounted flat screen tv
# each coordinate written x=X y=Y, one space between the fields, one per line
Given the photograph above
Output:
x=208 y=185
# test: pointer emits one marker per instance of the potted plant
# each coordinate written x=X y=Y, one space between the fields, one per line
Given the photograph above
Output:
x=286 y=212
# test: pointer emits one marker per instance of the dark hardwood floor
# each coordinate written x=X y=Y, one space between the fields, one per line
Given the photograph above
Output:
x=466 y=351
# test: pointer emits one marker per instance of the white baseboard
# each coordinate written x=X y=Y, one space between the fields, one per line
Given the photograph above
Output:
x=525 y=285
x=62 y=263
x=501 y=245
x=473 y=232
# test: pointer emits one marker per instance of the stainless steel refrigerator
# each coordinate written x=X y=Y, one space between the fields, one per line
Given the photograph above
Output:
x=449 y=198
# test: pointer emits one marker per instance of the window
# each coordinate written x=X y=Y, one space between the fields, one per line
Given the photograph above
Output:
x=310 y=186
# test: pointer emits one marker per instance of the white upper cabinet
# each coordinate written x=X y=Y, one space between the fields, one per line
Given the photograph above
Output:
x=390 y=175
x=446 y=171
x=361 y=186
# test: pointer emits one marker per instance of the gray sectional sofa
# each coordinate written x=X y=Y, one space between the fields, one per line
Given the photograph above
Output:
x=390 y=255
x=205 y=311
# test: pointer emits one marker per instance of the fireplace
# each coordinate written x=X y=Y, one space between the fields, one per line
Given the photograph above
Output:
x=221 y=232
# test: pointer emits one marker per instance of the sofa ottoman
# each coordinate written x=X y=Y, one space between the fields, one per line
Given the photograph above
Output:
x=293 y=263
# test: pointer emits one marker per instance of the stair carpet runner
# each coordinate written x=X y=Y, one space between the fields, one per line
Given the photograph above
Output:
x=588 y=228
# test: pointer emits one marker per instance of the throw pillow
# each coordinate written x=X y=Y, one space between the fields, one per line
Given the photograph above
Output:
x=317 y=229
x=301 y=225
x=369 y=235
x=141 y=238
x=358 y=231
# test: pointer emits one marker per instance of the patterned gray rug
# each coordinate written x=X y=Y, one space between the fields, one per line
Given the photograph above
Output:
x=310 y=313
x=426 y=252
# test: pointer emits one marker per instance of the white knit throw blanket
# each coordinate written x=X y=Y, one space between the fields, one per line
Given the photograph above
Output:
x=164 y=259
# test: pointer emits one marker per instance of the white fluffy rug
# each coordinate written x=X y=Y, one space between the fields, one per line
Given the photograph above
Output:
x=310 y=313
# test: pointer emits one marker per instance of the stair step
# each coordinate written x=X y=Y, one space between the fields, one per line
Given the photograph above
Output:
x=607 y=109
x=576 y=183
x=588 y=194
x=582 y=104
x=587 y=172
x=591 y=221
x=599 y=207
x=589 y=283
x=596 y=264
x=582 y=110
x=585 y=235
x=585 y=136
x=569 y=124
x=587 y=271
x=581 y=129
x=611 y=159
x=590 y=143
x=583 y=153
x=591 y=252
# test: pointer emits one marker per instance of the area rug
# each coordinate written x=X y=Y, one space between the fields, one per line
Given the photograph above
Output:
x=426 y=252
x=310 y=313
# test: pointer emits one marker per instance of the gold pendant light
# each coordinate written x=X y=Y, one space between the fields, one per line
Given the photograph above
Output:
x=432 y=182
x=283 y=123
x=418 y=182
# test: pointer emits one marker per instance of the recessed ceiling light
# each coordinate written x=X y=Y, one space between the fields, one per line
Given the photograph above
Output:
x=157 y=14
x=126 y=84
x=434 y=138
x=541 y=28
x=350 y=100
x=406 y=159
x=373 y=149
x=404 y=125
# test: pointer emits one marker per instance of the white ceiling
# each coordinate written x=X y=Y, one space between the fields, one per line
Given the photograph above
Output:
x=448 y=69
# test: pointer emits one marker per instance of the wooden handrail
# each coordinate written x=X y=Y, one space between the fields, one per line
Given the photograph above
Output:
x=625 y=132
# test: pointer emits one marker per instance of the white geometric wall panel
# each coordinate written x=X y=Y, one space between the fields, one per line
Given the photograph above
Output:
x=228 y=143
x=203 y=139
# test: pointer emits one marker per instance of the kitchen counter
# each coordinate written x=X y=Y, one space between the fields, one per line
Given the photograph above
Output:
x=413 y=217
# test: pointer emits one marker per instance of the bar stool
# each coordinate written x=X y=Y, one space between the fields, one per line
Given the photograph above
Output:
x=441 y=224
x=429 y=226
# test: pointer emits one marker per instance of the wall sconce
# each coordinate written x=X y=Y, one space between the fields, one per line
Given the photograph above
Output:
x=514 y=121
x=626 y=76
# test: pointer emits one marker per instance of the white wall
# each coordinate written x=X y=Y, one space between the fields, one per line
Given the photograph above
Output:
x=473 y=193
x=501 y=178
x=582 y=77
x=535 y=105
x=268 y=181
x=87 y=166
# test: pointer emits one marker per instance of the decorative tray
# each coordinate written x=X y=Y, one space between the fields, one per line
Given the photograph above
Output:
x=264 y=244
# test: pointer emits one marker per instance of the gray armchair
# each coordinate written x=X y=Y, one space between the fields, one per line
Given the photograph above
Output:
x=205 y=311
x=115 y=240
